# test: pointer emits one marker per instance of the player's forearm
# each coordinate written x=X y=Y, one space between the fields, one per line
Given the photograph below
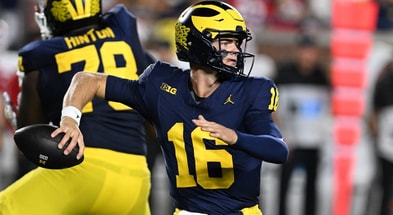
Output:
x=83 y=88
x=264 y=147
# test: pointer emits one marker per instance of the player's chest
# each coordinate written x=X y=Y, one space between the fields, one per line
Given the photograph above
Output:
x=221 y=107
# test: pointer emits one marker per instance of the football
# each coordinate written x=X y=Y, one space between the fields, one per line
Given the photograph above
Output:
x=35 y=142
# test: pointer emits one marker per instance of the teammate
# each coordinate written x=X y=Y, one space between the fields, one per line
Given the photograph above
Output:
x=114 y=177
x=213 y=123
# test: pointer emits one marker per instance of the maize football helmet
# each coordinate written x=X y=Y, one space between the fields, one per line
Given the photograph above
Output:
x=57 y=17
x=203 y=22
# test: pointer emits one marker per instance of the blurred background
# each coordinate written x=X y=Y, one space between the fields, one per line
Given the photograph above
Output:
x=325 y=56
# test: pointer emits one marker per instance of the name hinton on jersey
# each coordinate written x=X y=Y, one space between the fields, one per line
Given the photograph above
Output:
x=89 y=37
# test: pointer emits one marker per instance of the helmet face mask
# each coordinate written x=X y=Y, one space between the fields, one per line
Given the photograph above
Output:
x=63 y=16
x=202 y=23
x=41 y=21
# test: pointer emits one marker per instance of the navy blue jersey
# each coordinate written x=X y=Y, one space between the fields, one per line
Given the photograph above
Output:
x=207 y=175
x=115 y=49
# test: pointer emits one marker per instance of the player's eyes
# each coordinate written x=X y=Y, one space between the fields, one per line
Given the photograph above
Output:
x=229 y=41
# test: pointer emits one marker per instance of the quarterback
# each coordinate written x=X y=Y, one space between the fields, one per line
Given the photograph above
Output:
x=213 y=122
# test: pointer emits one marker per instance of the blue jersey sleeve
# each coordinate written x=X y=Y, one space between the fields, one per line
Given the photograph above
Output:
x=263 y=138
x=265 y=147
x=134 y=93
x=123 y=90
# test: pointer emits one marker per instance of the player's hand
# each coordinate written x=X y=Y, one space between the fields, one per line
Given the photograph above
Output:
x=216 y=130
x=70 y=128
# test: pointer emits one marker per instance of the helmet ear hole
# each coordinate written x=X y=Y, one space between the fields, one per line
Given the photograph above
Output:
x=207 y=34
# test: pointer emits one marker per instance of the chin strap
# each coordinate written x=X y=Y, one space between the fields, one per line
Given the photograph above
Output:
x=41 y=21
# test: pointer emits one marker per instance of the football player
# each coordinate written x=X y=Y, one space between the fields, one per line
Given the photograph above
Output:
x=213 y=122
x=114 y=177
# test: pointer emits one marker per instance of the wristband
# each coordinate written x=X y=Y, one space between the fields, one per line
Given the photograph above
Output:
x=72 y=112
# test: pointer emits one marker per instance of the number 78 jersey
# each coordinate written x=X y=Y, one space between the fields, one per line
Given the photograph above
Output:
x=114 y=49
x=206 y=175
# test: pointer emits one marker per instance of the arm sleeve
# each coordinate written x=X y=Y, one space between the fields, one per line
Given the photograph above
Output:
x=122 y=90
x=265 y=147
x=134 y=93
x=262 y=138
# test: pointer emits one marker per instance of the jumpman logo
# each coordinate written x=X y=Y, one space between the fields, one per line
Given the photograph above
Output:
x=229 y=100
